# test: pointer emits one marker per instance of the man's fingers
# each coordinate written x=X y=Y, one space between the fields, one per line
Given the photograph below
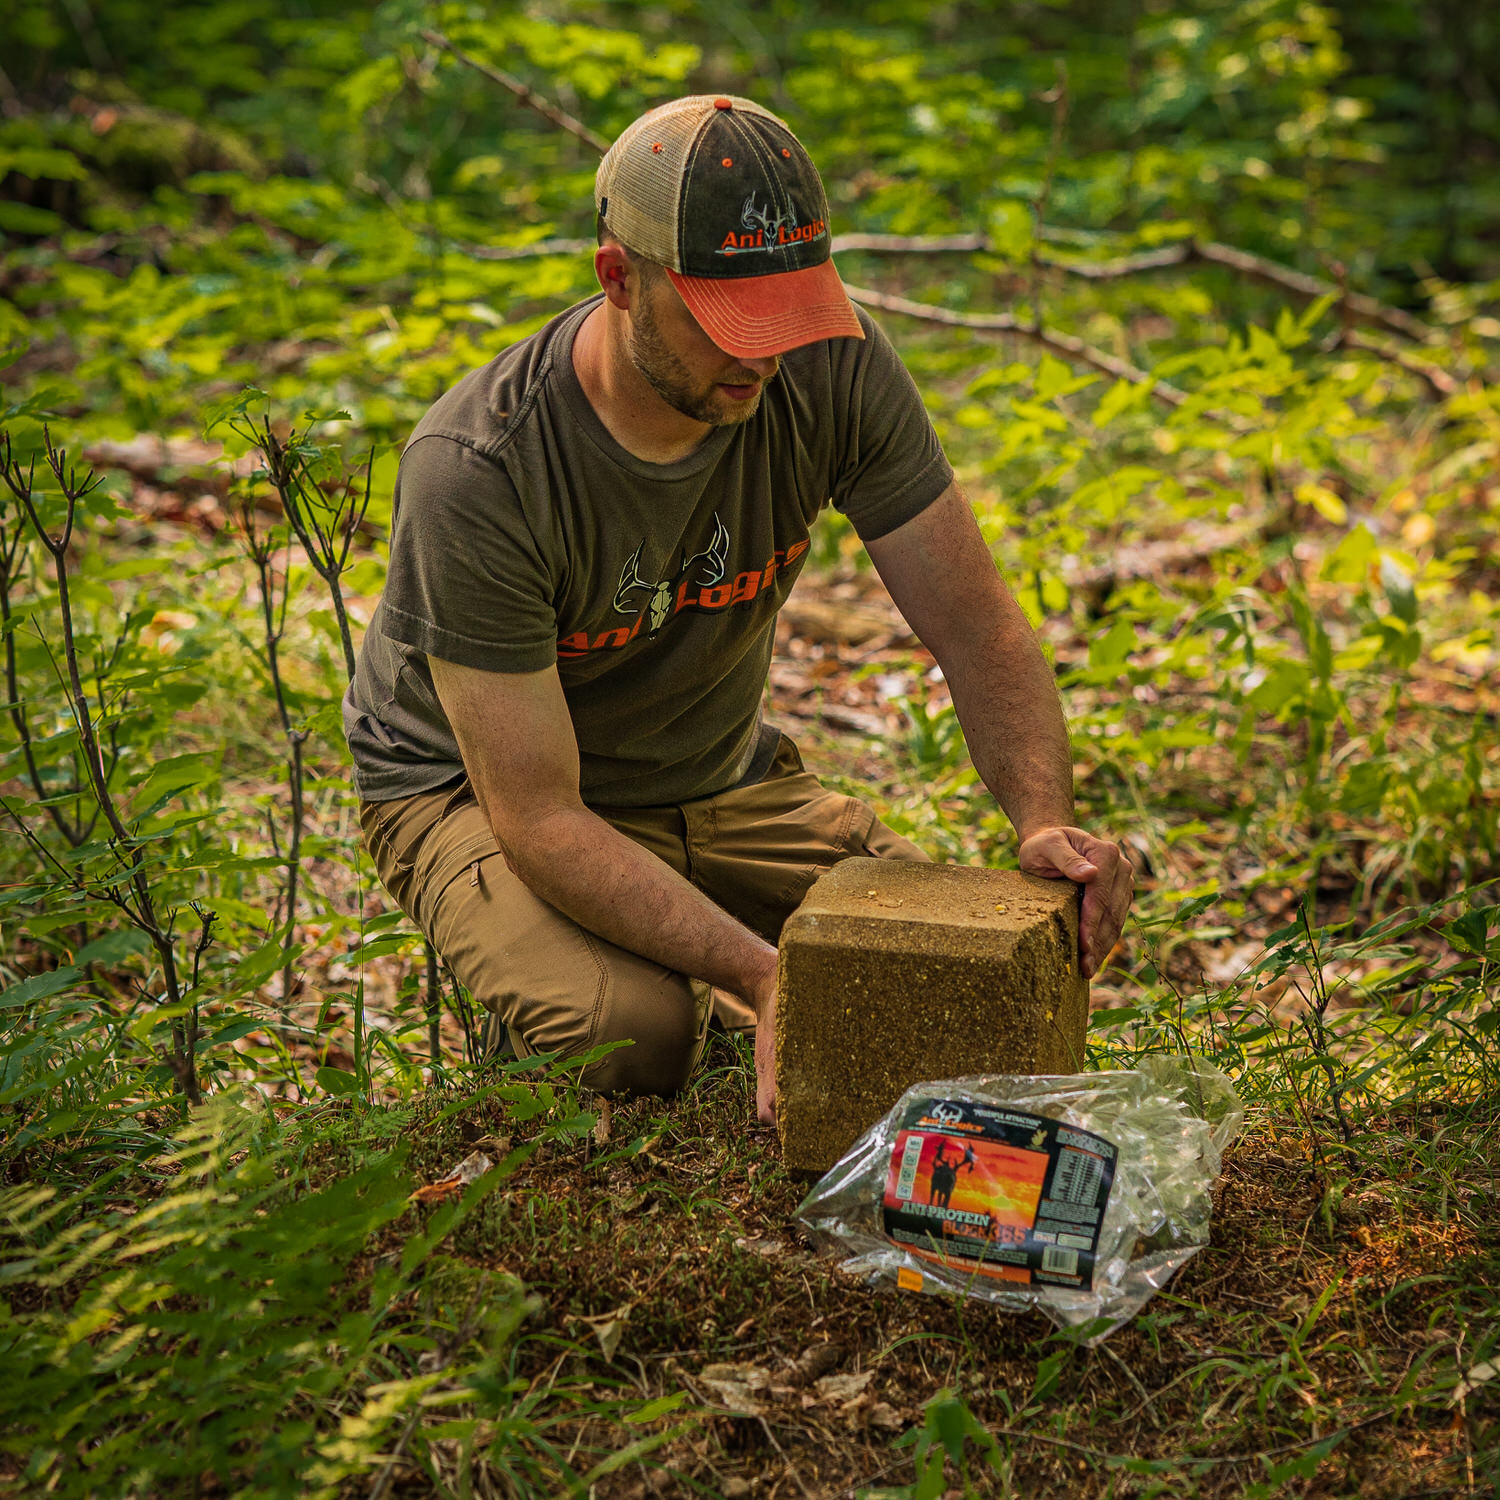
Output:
x=1106 y=903
x=1053 y=854
x=765 y=1067
x=1103 y=871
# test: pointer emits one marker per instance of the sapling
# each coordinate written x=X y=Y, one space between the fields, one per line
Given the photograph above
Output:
x=131 y=889
x=261 y=548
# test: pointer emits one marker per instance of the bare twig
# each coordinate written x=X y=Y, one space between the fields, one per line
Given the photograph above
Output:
x=261 y=550
x=1366 y=309
x=1435 y=377
x=325 y=526
x=1064 y=343
x=140 y=906
x=12 y=540
x=527 y=95
x=434 y=1003
x=1359 y=307
x=525 y=252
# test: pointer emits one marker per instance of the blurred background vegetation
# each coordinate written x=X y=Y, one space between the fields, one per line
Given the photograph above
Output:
x=1254 y=519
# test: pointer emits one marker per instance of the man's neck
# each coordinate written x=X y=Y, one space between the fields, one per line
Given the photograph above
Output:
x=635 y=416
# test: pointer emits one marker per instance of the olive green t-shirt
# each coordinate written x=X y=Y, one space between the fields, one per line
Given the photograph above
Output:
x=524 y=535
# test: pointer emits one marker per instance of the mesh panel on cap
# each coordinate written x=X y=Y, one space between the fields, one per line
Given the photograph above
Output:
x=643 y=187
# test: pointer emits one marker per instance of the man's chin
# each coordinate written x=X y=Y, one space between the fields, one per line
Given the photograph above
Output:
x=730 y=411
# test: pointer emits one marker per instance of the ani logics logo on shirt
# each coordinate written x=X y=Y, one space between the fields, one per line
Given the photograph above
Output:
x=701 y=583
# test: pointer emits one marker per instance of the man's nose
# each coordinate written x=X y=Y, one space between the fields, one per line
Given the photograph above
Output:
x=764 y=369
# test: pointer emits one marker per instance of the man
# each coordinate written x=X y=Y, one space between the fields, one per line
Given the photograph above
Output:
x=565 y=778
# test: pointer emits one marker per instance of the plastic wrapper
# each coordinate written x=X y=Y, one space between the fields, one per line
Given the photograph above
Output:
x=1078 y=1195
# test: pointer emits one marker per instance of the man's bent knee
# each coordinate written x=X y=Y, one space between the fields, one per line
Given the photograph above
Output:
x=659 y=1017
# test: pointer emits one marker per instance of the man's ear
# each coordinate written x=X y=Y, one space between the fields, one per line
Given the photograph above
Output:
x=613 y=271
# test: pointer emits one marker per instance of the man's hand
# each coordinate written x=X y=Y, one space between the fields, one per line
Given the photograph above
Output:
x=763 y=1001
x=1106 y=876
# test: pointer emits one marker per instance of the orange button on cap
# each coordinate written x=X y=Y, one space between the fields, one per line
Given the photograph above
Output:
x=723 y=104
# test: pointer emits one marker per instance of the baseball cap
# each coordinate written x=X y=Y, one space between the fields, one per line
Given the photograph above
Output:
x=719 y=191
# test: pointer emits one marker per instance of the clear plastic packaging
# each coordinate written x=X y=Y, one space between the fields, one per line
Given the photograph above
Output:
x=1078 y=1195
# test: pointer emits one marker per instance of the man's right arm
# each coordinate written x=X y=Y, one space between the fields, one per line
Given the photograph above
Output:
x=521 y=755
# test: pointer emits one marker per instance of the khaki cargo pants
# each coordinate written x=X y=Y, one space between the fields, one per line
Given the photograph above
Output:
x=755 y=850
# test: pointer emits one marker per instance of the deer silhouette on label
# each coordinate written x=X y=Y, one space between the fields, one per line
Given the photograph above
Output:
x=658 y=606
x=945 y=1170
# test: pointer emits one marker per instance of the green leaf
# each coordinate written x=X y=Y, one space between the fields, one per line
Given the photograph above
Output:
x=1114 y=647
x=257 y=967
x=1122 y=396
x=173 y=774
x=22 y=218
x=1323 y=500
x=337 y=1081
x=382 y=946
x=39 y=987
x=113 y=947
x=1350 y=561
x=1470 y=932
x=657 y=1408
x=42 y=161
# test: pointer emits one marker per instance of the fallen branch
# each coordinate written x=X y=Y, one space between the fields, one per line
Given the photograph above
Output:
x=1438 y=380
x=1256 y=267
x=1352 y=305
x=1366 y=309
x=528 y=96
x=1063 y=343
x=523 y=252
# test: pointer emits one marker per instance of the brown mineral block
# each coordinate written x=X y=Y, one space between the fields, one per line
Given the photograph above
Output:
x=894 y=973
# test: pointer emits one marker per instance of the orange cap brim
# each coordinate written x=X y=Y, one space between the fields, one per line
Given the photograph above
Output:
x=758 y=316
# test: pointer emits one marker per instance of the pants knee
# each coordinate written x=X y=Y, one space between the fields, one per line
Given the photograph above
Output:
x=662 y=1017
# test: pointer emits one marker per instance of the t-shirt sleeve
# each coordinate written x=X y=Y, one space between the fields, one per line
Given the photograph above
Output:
x=467 y=582
x=890 y=465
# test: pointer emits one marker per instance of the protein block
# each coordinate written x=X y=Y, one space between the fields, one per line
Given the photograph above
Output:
x=895 y=973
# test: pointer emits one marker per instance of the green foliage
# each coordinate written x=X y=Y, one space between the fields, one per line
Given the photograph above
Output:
x=1262 y=559
x=215 y=1330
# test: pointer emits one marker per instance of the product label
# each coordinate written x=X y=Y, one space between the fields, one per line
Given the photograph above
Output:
x=998 y=1192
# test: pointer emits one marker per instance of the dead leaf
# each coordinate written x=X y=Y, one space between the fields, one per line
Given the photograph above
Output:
x=736 y=1385
x=1480 y=1374
x=470 y=1169
x=604 y=1125
x=609 y=1328
x=843 y=1387
x=816 y=1362
x=768 y=1249
x=883 y=1414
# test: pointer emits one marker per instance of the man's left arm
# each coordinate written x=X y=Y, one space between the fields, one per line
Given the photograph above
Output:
x=944 y=581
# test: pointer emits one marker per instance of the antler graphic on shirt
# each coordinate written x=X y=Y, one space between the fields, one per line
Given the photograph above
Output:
x=714 y=557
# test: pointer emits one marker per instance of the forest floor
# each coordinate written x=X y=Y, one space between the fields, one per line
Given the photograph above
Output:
x=1298 y=1354
x=681 y=1334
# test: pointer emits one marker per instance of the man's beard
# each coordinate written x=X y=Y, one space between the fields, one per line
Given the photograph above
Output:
x=669 y=378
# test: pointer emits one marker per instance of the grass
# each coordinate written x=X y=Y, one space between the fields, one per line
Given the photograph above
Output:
x=1314 y=1348
x=624 y=1306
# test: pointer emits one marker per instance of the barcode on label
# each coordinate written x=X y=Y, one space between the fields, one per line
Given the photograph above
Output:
x=1064 y=1262
x=1078 y=1176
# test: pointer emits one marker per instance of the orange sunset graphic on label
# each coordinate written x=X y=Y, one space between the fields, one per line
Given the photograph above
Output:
x=1002 y=1183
